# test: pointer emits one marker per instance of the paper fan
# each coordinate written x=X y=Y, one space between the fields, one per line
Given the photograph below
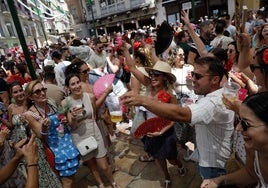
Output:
x=102 y=83
x=151 y=125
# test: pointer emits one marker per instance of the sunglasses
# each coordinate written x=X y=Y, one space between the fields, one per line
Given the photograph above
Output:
x=85 y=71
x=244 y=124
x=253 y=67
x=38 y=91
x=199 y=76
x=109 y=51
x=155 y=73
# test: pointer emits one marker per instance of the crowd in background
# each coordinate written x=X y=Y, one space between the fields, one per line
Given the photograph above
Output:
x=184 y=83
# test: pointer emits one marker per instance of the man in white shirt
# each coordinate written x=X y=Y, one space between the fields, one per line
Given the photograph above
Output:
x=212 y=121
x=60 y=67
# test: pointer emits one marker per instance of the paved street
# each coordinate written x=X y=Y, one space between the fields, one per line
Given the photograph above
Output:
x=136 y=174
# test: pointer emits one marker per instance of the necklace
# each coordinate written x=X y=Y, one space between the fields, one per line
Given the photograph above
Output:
x=45 y=112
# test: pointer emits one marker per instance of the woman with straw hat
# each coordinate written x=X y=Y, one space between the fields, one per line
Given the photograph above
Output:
x=161 y=144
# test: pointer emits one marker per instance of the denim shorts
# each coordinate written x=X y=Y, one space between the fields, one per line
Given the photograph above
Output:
x=211 y=172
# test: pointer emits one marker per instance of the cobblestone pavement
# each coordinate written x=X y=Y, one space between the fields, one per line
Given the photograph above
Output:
x=135 y=174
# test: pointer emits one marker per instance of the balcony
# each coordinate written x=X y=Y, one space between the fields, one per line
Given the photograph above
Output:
x=112 y=9
x=137 y=3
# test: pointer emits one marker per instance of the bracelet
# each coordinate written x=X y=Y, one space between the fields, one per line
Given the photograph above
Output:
x=32 y=165
x=42 y=133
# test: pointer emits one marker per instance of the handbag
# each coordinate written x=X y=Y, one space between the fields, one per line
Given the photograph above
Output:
x=87 y=145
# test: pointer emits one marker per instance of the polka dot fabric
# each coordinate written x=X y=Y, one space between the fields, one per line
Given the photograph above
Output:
x=66 y=153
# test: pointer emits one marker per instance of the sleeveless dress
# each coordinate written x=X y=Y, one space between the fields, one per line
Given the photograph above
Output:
x=262 y=183
x=87 y=127
x=19 y=129
x=47 y=176
x=66 y=153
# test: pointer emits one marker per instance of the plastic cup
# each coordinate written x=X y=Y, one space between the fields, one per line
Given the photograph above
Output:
x=115 y=108
x=230 y=90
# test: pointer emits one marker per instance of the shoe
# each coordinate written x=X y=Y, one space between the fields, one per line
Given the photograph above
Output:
x=182 y=171
x=167 y=184
x=145 y=158
x=101 y=186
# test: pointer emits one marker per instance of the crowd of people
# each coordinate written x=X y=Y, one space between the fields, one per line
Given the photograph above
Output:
x=46 y=119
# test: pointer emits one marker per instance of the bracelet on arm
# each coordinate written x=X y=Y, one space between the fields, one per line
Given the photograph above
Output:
x=43 y=133
x=32 y=165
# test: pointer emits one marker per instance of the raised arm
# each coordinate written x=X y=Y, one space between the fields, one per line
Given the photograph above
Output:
x=198 y=42
x=173 y=112
x=132 y=67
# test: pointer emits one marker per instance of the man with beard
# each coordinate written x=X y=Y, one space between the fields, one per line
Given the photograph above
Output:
x=206 y=35
x=212 y=121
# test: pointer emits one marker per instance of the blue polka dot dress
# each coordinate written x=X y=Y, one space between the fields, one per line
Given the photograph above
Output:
x=60 y=142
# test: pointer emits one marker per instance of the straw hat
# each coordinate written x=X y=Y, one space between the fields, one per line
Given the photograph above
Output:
x=164 y=67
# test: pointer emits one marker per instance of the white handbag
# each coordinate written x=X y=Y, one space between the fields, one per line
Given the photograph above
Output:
x=87 y=145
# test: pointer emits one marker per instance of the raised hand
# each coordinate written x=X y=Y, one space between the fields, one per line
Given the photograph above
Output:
x=185 y=16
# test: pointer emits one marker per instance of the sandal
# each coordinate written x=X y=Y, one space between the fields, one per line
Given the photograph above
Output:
x=145 y=158
x=114 y=185
x=182 y=171
x=167 y=184
x=115 y=169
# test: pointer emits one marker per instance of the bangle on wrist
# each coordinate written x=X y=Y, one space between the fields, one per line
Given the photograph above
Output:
x=32 y=165
x=43 y=133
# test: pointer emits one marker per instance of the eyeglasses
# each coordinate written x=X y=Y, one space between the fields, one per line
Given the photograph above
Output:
x=155 y=73
x=85 y=71
x=199 y=76
x=38 y=91
x=253 y=67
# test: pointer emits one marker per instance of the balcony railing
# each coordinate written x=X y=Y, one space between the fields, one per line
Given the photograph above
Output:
x=113 y=9
x=136 y=3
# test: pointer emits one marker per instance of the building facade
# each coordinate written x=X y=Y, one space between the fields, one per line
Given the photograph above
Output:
x=41 y=20
x=107 y=16
x=94 y=17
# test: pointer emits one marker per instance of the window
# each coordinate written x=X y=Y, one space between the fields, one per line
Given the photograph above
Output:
x=27 y=30
x=1 y=32
x=10 y=29
x=73 y=12
x=3 y=6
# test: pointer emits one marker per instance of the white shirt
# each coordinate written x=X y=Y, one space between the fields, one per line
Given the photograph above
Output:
x=181 y=74
x=214 y=129
x=59 y=70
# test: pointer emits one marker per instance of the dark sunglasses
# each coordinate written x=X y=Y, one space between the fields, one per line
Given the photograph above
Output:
x=85 y=71
x=244 y=124
x=38 y=91
x=155 y=73
x=253 y=67
x=199 y=76
x=109 y=51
